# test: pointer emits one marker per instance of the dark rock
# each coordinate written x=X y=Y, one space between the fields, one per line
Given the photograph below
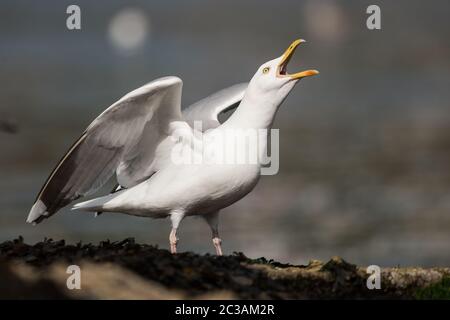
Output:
x=191 y=275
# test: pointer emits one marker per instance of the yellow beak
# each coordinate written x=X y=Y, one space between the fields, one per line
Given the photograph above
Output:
x=287 y=55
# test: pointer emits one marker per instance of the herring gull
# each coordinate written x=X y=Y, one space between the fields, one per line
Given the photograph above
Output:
x=136 y=138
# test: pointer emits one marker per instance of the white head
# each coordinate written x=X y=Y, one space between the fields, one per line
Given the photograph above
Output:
x=272 y=82
x=266 y=91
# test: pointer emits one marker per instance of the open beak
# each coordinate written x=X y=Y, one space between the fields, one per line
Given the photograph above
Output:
x=287 y=55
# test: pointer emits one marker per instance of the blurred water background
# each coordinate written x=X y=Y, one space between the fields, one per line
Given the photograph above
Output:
x=365 y=146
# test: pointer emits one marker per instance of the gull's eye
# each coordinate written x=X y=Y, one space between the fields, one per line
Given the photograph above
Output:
x=265 y=70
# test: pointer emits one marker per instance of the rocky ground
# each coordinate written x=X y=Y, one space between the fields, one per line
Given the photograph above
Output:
x=127 y=270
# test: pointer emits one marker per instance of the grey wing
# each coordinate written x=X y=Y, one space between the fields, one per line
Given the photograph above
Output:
x=109 y=145
x=208 y=109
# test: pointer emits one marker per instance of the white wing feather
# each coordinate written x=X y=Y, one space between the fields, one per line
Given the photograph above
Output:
x=132 y=138
x=208 y=109
x=114 y=142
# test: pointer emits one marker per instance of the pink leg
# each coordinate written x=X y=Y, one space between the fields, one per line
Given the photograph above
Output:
x=173 y=240
x=217 y=241
x=213 y=221
x=175 y=217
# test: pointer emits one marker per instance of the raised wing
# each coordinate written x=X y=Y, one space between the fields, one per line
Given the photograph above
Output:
x=208 y=109
x=113 y=142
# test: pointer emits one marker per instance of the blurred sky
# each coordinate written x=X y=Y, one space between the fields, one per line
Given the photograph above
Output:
x=365 y=146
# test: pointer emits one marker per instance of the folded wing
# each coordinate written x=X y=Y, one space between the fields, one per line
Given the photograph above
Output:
x=125 y=139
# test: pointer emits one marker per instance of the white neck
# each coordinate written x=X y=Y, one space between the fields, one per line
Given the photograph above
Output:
x=255 y=111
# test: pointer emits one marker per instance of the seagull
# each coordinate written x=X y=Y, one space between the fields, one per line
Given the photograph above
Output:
x=136 y=138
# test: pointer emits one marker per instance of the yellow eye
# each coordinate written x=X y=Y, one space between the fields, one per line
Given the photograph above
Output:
x=266 y=70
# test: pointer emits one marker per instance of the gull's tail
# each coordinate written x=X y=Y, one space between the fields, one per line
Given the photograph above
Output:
x=116 y=188
x=97 y=204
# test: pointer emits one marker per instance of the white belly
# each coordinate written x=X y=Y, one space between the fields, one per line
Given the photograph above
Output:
x=195 y=189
